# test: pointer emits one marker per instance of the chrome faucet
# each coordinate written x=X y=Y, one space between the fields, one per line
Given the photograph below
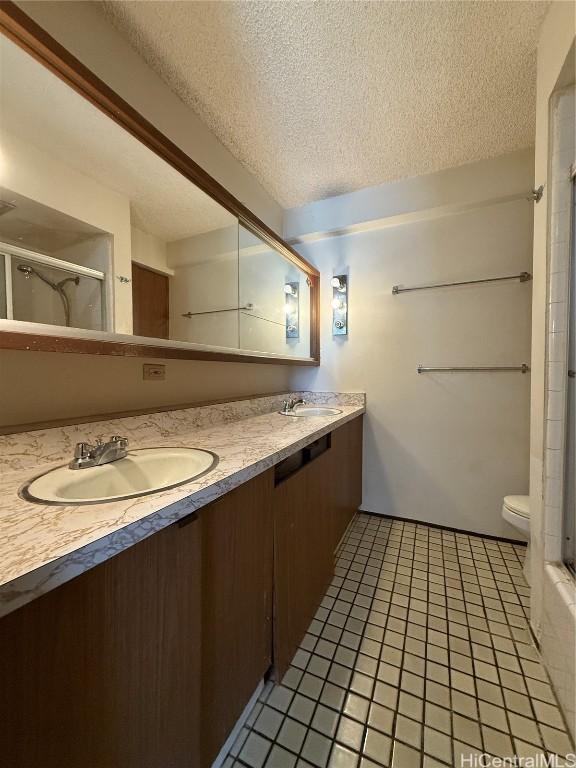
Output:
x=86 y=455
x=289 y=405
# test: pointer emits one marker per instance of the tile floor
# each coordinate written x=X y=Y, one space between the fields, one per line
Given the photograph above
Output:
x=419 y=654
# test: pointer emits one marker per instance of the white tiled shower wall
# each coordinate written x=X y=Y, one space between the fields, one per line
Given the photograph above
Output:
x=558 y=628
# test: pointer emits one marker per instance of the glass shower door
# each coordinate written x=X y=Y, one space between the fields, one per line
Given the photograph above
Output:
x=39 y=289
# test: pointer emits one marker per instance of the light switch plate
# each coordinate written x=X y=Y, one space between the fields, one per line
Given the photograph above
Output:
x=153 y=372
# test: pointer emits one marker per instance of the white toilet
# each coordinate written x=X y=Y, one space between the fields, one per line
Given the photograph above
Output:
x=516 y=511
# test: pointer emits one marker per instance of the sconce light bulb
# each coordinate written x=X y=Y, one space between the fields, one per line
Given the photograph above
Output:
x=337 y=303
x=336 y=282
x=289 y=290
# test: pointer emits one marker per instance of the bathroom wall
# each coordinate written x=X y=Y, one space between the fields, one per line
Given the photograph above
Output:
x=39 y=386
x=150 y=251
x=227 y=268
x=44 y=386
x=205 y=279
x=553 y=607
x=444 y=448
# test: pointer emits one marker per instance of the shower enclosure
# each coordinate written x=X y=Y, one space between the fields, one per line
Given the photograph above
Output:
x=570 y=445
x=41 y=289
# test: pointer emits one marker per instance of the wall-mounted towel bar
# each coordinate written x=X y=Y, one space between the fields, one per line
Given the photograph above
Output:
x=216 y=311
x=523 y=277
x=475 y=369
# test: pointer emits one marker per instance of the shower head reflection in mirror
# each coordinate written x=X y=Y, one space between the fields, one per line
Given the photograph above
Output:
x=58 y=287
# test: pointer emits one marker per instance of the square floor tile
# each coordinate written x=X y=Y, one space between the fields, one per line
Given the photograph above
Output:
x=325 y=720
x=377 y=746
x=316 y=749
x=268 y=722
x=548 y=714
x=405 y=757
x=280 y=698
x=318 y=665
x=467 y=731
x=281 y=758
x=357 y=707
x=408 y=731
x=341 y=757
x=333 y=696
x=301 y=708
x=437 y=744
x=350 y=733
x=255 y=750
x=291 y=735
x=496 y=742
x=438 y=718
x=381 y=718
x=310 y=686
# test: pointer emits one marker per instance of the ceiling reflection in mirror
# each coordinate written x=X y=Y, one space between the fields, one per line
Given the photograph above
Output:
x=99 y=233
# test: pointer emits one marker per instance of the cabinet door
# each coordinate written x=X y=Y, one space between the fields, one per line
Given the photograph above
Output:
x=104 y=671
x=237 y=579
x=303 y=553
x=347 y=476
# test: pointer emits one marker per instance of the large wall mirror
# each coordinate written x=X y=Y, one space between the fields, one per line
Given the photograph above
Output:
x=103 y=240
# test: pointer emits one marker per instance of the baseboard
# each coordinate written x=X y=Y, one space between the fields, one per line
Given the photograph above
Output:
x=445 y=528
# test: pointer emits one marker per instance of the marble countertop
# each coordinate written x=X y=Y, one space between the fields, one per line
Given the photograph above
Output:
x=43 y=546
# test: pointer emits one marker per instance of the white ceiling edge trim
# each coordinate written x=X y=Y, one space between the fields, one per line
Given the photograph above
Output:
x=397 y=220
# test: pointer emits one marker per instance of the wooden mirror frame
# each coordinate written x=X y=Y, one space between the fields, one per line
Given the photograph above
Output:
x=28 y=35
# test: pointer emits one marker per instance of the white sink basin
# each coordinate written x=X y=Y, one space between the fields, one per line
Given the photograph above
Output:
x=143 y=471
x=312 y=410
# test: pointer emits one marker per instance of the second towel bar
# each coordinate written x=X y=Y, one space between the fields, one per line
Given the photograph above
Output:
x=475 y=369
x=523 y=277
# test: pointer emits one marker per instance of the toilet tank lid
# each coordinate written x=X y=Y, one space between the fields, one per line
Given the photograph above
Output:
x=518 y=504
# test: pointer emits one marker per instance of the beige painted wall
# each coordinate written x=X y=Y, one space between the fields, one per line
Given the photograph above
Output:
x=443 y=448
x=42 y=386
x=150 y=251
x=38 y=386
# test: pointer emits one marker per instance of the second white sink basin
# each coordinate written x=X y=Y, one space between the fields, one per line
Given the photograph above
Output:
x=141 y=472
x=312 y=410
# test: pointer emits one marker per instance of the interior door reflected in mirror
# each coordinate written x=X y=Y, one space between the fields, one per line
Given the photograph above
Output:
x=98 y=233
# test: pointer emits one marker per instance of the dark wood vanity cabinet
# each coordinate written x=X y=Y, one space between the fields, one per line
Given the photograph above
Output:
x=314 y=502
x=149 y=659
x=104 y=671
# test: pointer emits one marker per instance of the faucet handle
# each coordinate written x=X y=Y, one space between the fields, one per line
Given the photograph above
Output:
x=82 y=450
x=123 y=441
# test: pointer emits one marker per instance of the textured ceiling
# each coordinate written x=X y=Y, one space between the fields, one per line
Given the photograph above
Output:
x=40 y=109
x=321 y=98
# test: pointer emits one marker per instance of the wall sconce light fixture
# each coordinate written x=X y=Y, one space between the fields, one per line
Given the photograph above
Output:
x=340 y=305
x=292 y=294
